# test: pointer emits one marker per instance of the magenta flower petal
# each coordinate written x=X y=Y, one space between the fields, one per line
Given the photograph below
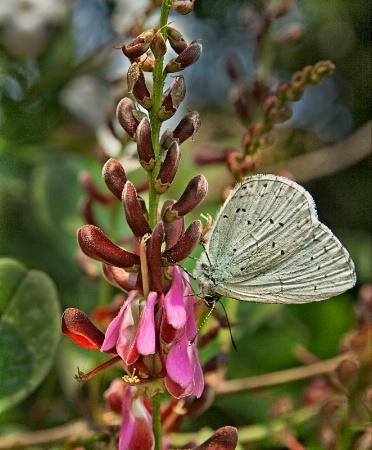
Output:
x=178 y=365
x=198 y=378
x=113 y=330
x=146 y=340
x=128 y=421
x=174 y=302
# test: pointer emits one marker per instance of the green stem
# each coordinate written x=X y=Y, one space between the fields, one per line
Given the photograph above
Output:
x=158 y=83
x=156 y=422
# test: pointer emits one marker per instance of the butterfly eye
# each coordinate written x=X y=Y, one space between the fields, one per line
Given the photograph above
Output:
x=211 y=300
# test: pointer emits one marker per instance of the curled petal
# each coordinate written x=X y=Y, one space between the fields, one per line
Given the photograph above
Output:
x=174 y=305
x=95 y=244
x=80 y=329
x=146 y=339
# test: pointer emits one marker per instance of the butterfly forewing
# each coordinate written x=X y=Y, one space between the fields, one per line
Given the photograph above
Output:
x=267 y=245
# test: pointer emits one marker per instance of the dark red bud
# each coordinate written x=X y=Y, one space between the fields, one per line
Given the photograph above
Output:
x=210 y=155
x=137 y=85
x=185 y=245
x=120 y=277
x=173 y=230
x=144 y=145
x=158 y=45
x=176 y=40
x=95 y=244
x=91 y=188
x=183 y=6
x=86 y=210
x=80 y=329
x=194 y=193
x=124 y=113
x=172 y=98
x=185 y=59
x=134 y=213
x=188 y=126
x=168 y=169
x=139 y=45
x=114 y=176
x=225 y=438
x=154 y=257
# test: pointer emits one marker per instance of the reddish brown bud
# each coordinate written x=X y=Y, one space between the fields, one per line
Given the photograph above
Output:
x=124 y=113
x=183 y=6
x=185 y=59
x=137 y=85
x=173 y=230
x=139 y=45
x=282 y=91
x=194 y=193
x=113 y=175
x=86 y=210
x=79 y=328
x=158 y=45
x=168 y=169
x=147 y=64
x=95 y=244
x=285 y=7
x=154 y=257
x=172 y=98
x=176 y=40
x=185 y=245
x=134 y=213
x=91 y=188
x=225 y=438
x=188 y=126
x=291 y=35
x=210 y=155
x=144 y=145
x=166 y=138
x=120 y=277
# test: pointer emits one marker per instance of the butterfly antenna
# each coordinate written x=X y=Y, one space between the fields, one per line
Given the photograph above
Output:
x=205 y=319
x=183 y=268
x=228 y=324
x=206 y=253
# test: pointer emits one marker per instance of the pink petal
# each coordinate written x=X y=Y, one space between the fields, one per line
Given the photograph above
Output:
x=198 y=378
x=113 y=330
x=146 y=342
x=178 y=364
x=174 y=302
x=128 y=421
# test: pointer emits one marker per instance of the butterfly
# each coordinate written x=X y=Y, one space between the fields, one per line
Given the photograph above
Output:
x=267 y=245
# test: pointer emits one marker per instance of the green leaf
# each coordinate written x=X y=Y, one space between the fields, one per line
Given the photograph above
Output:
x=29 y=330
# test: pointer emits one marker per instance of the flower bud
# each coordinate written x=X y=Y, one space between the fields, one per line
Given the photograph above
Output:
x=87 y=181
x=166 y=138
x=172 y=98
x=194 y=193
x=79 y=328
x=86 y=210
x=210 y=155
x=183 y=6
x=137 y=85
x=225 y=437
x=176 y=40
x=173 y=230
x=168 y=169
x=185 y=59
x=119 y=277
x=154 y=257
x=147 y=64
x=188 y=126
x=158 y=45
x=133 y=212
x=95 y=244
x=114 y=176
x=291 y=35
x=144 y=145
x=185 y=245
x=139 y=45
x=124 y=113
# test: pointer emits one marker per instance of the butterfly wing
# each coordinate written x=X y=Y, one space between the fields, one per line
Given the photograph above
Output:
x=319 y=269
x=262 y=241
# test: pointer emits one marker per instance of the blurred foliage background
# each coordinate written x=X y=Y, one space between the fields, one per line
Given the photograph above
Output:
x=60 y=81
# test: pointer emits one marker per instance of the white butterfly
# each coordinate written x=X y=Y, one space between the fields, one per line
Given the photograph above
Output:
x=267 y=245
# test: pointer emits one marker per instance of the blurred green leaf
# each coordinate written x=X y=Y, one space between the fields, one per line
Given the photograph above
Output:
x=29 y=330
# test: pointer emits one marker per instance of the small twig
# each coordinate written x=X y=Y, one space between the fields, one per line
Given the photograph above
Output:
x=282 y=376
x=329 y=159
